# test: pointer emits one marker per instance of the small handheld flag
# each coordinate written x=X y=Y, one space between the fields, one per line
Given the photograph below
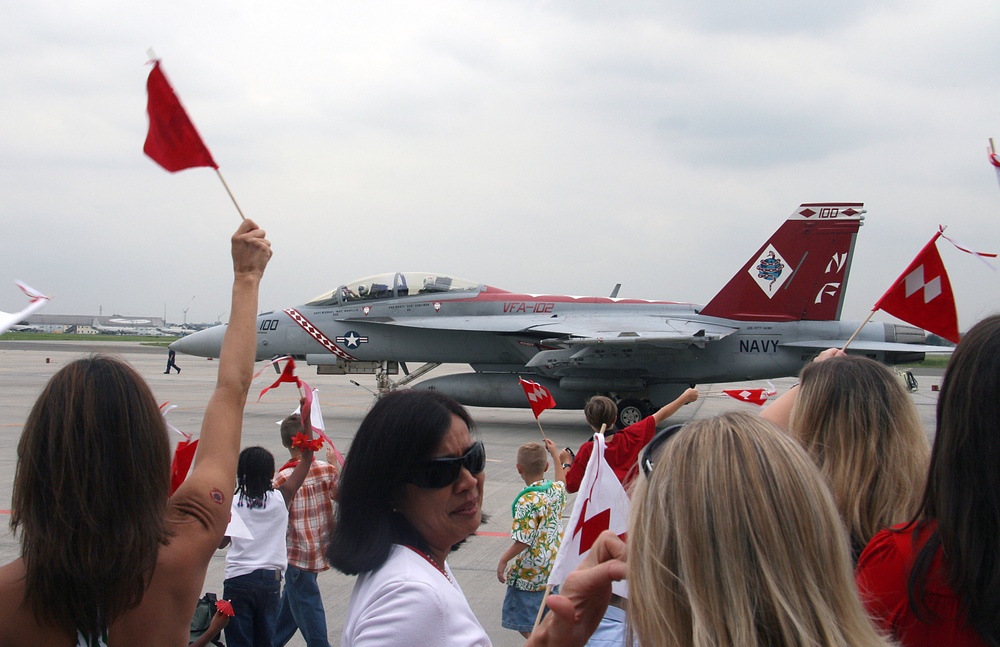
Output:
x=539 y=397
x=35 y=302
x=184 y=453
x=922 y=295
x=753 y=396
x=991 y=152
x=309 y=399
x=601 y=504
x=172 y=140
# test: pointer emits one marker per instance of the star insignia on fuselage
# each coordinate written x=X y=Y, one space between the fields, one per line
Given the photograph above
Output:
x=352 y=339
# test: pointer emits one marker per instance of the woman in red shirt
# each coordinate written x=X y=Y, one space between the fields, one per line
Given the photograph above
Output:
x=936 y=579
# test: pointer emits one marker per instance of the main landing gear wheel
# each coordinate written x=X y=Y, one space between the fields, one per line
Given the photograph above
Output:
x=631 y=411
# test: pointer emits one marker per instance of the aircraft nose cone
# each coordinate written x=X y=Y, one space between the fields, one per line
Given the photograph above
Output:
x=204 y=343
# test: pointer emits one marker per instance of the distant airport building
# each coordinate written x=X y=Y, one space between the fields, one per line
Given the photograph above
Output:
x=91 y=325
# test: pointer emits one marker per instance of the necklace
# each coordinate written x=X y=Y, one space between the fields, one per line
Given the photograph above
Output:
x=430 y=560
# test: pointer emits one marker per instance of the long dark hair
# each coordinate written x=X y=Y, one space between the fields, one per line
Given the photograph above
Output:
x=90 y=494
x=401 y=431
x=254 y=472
x=963 y=486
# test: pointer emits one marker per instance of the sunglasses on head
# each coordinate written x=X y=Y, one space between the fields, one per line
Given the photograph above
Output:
x=442 y=472
x=649 y=454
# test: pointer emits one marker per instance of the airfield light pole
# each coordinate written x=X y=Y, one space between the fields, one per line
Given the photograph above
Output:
x=186 y=312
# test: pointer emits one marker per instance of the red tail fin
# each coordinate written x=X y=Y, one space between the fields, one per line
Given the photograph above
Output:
x=800 y=273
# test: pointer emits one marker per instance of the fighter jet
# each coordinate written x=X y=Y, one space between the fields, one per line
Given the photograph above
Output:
x=773 y=316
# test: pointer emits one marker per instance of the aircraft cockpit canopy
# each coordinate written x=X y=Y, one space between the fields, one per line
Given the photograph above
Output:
x=400 y=284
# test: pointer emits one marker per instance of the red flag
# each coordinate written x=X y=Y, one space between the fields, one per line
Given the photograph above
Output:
x=994 y=158
x=172 y=141
x=922 y=295
x=308 y=395
x=287 y=375
x=183 y=456
x=539 y=397
x=225 y=607
x=753 y=396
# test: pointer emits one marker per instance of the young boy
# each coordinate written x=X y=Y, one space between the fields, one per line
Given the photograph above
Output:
x=536 y=531
x=310 y=522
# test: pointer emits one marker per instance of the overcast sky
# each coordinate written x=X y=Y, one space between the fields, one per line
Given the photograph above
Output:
x=543 y=147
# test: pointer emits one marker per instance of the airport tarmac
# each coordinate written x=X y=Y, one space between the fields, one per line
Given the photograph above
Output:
x=26 y=366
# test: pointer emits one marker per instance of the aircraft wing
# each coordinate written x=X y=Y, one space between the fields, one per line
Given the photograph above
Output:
x=858 y=344
x=658 y=332
x=579 y=330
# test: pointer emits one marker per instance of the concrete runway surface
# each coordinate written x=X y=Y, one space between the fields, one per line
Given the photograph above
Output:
x=26 y=366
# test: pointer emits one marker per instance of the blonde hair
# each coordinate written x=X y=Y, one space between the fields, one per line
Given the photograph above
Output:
x=861 y=428
x=734 y=540
x=532 y=458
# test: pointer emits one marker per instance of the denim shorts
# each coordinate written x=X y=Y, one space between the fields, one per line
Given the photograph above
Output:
x=520 y=608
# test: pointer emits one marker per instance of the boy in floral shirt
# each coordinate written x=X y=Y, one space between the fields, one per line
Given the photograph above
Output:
x=536 y=531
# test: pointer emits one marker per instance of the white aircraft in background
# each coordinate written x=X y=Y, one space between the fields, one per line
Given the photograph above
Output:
x=9 y=320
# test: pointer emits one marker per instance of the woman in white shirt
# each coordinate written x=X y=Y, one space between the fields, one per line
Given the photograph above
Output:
x=410 y=492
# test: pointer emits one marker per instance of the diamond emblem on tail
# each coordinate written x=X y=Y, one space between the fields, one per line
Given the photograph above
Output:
x=770 y=272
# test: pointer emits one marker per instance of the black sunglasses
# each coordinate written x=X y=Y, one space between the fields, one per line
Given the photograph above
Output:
x=442 y=472
x=655 y=443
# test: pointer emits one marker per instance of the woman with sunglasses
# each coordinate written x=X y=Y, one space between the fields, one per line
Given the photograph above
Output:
x=733 y=539
x=411 y=491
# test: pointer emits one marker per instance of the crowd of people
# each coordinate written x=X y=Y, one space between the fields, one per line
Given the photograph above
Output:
x=827 y=520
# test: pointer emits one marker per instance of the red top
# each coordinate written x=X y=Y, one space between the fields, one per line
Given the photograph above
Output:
x=622 y=452
x=882 y=575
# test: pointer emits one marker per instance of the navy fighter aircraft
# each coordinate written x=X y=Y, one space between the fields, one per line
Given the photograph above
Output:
x=775 y=314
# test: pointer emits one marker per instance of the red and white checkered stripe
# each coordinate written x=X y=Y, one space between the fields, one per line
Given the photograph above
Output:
x=318 y=335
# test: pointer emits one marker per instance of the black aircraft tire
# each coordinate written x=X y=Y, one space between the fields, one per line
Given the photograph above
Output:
x=631 y=411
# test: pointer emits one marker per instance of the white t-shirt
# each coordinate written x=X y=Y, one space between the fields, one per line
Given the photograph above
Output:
x=408 y=601
x=267 y=548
